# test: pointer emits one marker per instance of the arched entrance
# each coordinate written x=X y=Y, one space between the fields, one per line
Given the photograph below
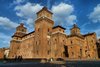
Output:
x=66 y=51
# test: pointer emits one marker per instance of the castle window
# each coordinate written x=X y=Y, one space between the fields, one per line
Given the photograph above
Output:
x=71 y=47
x=36 y=42
x=91 y=40
x=59 y=29
x=81 y=52
x=89 y=55
x=38 y=29
x=17 y=38
x=71 y=42
x=79 y=56
x=85 y=50
x=86 y=46
x=17 y=47
x=93 y=46
x=48 y=30
x=63 y=41
x=48 y=52
x=72 y=53
x=22 y=30
x=55 y=39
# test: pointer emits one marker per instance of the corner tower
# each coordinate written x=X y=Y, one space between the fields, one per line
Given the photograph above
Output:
x=16 y=40
x=20 y=30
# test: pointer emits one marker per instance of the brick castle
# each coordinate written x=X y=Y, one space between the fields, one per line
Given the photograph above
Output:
x=49 y=41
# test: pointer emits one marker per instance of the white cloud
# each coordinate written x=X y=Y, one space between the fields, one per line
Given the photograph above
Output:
x=7 y=23
x=63 y=13
x=18 y=1
x=28 y=12
x=71 y=19
x=5 y=40
x=95 y=15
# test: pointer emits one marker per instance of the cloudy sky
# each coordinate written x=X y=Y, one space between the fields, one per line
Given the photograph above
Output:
x=85 y=13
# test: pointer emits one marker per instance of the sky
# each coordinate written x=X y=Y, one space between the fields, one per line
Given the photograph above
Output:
x=84 y=13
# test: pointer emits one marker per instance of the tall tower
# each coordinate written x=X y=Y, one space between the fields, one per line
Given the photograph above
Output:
x=43 y=28
x=75 y=30
x=16 y=40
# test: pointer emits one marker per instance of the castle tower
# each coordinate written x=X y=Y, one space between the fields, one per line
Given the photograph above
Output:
x=75 y=30
x=43 y=28
x=20 y=30
x=16 y=40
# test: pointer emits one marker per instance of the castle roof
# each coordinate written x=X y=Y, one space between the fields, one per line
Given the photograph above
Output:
x=21 y=26
x=29 y=33
x=75 y=26
x=44 y=8
x=59 y=27
x=89 y=34
x=17 y=34
x=23 y=35
x=80 y=36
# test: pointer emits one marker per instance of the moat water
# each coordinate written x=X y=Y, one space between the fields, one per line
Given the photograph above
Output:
x=37 y=64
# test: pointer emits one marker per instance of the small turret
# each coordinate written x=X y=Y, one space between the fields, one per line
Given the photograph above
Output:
x=21 y=28
x=20 y=31
x=75 y=30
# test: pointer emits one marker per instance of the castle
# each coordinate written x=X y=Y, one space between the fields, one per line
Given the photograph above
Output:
x=49 y=41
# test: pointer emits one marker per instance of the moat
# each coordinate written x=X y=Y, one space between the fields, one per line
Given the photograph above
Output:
x=68 y=63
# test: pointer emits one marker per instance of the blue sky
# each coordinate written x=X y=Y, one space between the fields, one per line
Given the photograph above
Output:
x=85 y=13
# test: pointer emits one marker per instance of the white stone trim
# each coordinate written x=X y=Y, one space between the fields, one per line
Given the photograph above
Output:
x=24 y=38
x=58 y=32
